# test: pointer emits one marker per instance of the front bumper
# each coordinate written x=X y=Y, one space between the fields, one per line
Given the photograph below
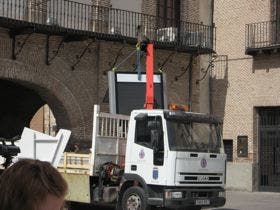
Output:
x=214 y=202
x=195 y=197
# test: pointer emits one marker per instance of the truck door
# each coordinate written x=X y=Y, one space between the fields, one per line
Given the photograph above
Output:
x=148 y=149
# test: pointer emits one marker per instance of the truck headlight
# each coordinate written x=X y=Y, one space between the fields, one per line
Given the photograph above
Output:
x=173 y=195
x=222 y=194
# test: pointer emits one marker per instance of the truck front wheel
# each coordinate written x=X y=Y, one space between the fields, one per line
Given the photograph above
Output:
x=134 y=198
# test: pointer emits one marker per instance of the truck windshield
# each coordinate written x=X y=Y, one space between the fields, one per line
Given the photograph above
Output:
x=198 y=137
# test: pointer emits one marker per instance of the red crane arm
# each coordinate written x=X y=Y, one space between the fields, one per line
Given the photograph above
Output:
x=149 y=104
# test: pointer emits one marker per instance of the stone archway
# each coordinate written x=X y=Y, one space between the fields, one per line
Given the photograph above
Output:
x=42 y=87
x=17 y=107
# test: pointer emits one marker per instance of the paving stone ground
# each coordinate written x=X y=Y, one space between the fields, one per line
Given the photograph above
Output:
x=237 y=200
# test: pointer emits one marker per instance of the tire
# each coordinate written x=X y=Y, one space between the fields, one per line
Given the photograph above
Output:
x=134 y=198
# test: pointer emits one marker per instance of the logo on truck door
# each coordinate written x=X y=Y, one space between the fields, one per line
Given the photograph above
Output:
x=203 y=163
x=141 y=154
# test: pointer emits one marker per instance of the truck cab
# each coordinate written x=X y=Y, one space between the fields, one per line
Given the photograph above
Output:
x=153 y=158
x=176 y=158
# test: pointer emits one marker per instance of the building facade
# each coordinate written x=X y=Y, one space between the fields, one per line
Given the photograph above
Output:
x=245 y=82
x=58 y=52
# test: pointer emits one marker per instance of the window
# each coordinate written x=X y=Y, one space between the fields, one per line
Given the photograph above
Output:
x=228 y=146
x=276 y=8
x=149 y=133
x=145 y=132
x=275 y=24
x=198 y=137
x=242 y=146
x=168 y=13
x=141 y=135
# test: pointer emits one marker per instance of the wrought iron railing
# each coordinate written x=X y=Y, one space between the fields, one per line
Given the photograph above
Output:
x=104 y=20
x=263 y=34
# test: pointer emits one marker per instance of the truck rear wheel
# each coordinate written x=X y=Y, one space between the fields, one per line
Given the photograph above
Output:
x=134 y=198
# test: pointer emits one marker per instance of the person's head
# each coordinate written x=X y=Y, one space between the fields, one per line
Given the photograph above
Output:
x=32 y=185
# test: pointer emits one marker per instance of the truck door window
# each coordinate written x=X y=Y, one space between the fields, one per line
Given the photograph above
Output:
x=141 y=133
x=146 y=132
x=156 y=135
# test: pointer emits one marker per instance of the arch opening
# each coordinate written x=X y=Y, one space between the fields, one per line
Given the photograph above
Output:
x=18 y=106
x=22 y=106
x=24 y=89
x=44 y=121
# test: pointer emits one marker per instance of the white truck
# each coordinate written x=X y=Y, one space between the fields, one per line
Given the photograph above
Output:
x=152 y=158
x=161 y=158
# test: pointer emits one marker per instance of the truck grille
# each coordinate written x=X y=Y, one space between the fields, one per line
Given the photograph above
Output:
x=200 y=178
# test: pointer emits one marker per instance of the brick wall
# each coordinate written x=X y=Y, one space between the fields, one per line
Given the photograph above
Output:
x=37 y=122
x=189 y=9
x=71 y=94
x=194 y=11
x=149 y=7
x=242 y=82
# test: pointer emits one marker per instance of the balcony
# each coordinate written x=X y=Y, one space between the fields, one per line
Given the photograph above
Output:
x=78 y=21
x=263 y=38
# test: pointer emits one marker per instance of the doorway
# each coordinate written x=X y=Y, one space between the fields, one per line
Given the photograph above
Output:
x=269 y=149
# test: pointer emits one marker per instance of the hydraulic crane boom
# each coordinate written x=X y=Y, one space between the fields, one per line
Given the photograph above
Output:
x=149 y=104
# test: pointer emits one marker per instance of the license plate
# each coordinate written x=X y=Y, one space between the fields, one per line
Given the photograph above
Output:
x=202 y=202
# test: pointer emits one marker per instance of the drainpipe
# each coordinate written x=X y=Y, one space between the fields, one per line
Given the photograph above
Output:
x=190 y=83
x=210 y=59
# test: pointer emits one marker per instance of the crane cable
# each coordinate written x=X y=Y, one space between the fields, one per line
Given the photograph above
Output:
x=138 y=60
x=138 y=52
x=115 y=68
